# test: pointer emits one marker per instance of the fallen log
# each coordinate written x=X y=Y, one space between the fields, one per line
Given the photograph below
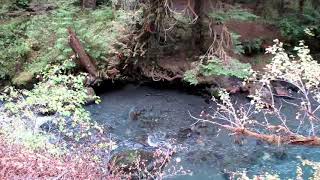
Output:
x=291 y=139
x=84 y=59
x=277 y=139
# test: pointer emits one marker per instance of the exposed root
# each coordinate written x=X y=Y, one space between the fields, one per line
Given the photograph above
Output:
x=222 y=40
x=157 y=73
x=158 y=76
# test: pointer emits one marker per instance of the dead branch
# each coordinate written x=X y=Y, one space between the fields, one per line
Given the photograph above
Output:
x=293 y=139
x=289 y=138
x=222 y=40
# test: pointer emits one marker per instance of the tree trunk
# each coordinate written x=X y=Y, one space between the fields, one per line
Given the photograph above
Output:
x=90 y=4
x=197 y=41
x=281 y=7
x=301 y=6
x=84 y=59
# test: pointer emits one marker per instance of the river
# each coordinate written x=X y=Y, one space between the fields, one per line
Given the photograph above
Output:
x=164 y=121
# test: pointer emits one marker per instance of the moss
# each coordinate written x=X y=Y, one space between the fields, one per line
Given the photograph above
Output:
x=23 y=79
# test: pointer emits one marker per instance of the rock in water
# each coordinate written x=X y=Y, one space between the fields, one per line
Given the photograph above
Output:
x=133 y=114
x=137 y=162
x=91 y=96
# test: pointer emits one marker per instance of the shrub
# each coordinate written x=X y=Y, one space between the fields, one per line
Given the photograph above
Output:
x=237 y=44
x=13 y=47
x=59 y=94
x=253 y=46
x=98 y=30
x=191 y=77
x=217 y=67
x=233 y=68
x=294 y=28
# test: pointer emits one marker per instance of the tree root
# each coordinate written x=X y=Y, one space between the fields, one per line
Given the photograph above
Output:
x=158 y=76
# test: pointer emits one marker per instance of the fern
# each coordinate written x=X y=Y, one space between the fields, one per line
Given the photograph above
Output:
x=234 y=68
x=294 y=28
x=233 y=14
x=191 y=77
x=237 y=44
x=43 y=39
x=13 y=47
x=97 y=30
x=216 y=67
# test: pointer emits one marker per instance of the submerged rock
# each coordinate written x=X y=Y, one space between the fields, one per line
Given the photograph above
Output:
x=127 y=160
x=138 y=162
x=280 y=154
x=184 y=133
x=145 y=116
x=134 y=114
x=159 y=140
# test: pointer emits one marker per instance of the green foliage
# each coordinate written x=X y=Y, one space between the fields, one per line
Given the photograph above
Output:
x=191 y=77
x=234 y=68
x=233 y=14
x=97 y=31
x=60 y=94
x=23 y=79
x=253 y=46
x=13 y=47
x=291 y=28
x=4 y=8
x=245 y=47
x=43 y=39
x=237 y=44
x=16 y=133
x=217 y=67
x=294 y=28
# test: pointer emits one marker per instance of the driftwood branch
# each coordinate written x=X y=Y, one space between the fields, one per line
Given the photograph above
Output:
x=84 y=59
x=292 y=139
x=289 y=138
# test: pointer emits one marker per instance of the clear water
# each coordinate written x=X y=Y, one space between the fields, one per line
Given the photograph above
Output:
x=164 y=121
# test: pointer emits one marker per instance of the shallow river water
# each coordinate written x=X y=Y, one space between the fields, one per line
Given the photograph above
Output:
x=140 y=117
